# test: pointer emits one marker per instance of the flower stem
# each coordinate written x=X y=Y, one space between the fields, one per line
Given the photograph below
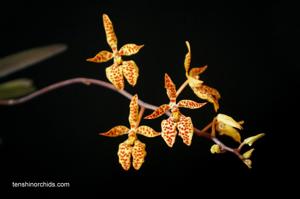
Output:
x=240 y=147
x=78 y=80
x=201 y=133
x=226 y=148
x=212 y=136
x=140 y=115
x=206 y=127
x=182 y=87
x=144 y=105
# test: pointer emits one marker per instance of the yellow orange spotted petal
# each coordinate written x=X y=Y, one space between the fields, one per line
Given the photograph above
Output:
x=130 y=49
x=169 y=132
x=110 y=33
x=197 y=71
x=130 y=71
x=116 y=131
x=188 y=56
x=170 y=87
x=133 y=112
x=147 y=131
x=158 y=112
x=138 y=154
x=102 y=56
x=124 y=154
x=215 y=103
x=212 y=91
x=190 y=104
x=186 y=129
x=115 y=76
x=207 y=93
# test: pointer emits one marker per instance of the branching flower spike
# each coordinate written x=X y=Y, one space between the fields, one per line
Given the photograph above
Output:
x=202 y=91
x=176 y=120
x=115 y=72
x=132 y=151
x=226 y=125
x=132 y=147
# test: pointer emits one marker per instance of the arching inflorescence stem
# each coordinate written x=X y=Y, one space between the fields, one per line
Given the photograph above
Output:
x=96 y=82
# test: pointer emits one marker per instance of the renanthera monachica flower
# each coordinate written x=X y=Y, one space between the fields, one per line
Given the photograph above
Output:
x=177 y=119
x=202 y=91
x=132 y=147
x=132 y=150
x=115 y=72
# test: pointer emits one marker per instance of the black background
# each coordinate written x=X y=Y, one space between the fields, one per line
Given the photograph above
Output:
x=55 y=137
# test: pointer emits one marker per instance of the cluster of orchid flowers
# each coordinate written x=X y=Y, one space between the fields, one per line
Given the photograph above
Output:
x=132 y=150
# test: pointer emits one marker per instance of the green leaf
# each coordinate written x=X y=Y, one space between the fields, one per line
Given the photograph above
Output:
x=16 y=88
x=20 y=60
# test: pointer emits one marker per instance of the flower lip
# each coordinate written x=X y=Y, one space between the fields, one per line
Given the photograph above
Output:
x=176 y=115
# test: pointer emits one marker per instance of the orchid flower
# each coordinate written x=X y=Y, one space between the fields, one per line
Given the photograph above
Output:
x=202 y=91
x=177 y=119
x=115 y=72
x=132 y=147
